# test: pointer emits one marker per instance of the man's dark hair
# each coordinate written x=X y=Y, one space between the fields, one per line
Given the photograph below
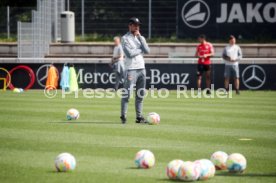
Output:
x=202 y=36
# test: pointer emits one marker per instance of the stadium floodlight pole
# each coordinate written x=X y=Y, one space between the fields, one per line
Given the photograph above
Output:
x=8 y=22
x=68 y=6
x=149 y=36
x=176 y=27
x=82 y=19
x=18 y=39
x=55 y=32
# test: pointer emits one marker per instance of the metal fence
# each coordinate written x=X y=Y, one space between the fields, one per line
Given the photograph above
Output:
x=110 y=18
x=34 y=37
x=58 y=6
x=13 y=14
x=161 y=18
x=105 y=18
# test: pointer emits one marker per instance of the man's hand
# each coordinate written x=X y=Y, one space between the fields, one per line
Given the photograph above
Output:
x=137 y=33
x=116 y=59
x=202 y=56
x=232 y=60
x=225 y=57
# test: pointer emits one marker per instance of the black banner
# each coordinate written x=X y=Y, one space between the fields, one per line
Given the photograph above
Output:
x=220 y=18
x=259 y=76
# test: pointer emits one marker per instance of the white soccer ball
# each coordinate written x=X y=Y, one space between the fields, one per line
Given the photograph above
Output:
x=144 y=159
x=219 y=159
x=16 y=90
x=72 y=114
x=236 y=163
x=188 y=171
x=173 y=167
x=65 y=162
x=153 y=118
x=207 y=169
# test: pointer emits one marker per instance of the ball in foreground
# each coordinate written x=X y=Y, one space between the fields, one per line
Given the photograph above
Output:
x=72 y=114
x=219 y=159
x=236 y=163
x=16 y=90
x=188 y=171
x=144 y=159
x=173 y=167
x=65 y=162
x=153 y=118
x=207 y=169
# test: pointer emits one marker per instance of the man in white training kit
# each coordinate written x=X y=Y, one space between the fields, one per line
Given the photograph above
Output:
x=117 y=62
x=134 y=46
x=231 y=55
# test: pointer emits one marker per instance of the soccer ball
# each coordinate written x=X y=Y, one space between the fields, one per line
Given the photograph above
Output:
x=236 y=163
x=65 y=162
x=72 y=114
x=188 y=171
x=173 y=167
x=219 y=159
x=16 y=90
x=153 y=118
x=207 y=169
x=144 y=159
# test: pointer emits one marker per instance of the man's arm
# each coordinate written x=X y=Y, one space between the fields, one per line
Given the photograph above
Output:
x=212 y=52
x=121 y=53
x=145 y=47
x=239 y=54
x=208 y=55
x=118 y=58
x=129 y=50
x=224 y=55
x=114 y=59
x=197 y=54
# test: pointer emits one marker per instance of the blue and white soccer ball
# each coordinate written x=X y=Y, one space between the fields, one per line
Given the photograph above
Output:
x=72 y=114
x=207 y=169
x=236 y=163
x=65 y=162
x=144 y=159
x=173 y=168
x=188 y=171
x=153 y=118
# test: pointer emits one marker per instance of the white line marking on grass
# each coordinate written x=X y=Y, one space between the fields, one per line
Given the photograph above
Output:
x=245 y=139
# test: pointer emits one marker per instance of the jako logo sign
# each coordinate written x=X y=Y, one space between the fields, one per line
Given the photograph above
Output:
x=195 y=13
x=251 y=12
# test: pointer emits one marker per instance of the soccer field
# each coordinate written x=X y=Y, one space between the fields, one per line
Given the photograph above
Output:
x=34 y=130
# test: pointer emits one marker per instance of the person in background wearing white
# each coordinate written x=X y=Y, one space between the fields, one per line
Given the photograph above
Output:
x=231 y=55
x=117 y=62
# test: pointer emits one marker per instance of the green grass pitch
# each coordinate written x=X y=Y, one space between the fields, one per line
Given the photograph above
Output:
x=33 y=131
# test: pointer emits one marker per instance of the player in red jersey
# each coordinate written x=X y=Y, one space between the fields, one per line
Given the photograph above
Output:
x=203 y=52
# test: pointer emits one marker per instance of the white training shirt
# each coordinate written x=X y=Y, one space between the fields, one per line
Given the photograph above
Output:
x=118 y=51
x=134 y=48
x=234 y=52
